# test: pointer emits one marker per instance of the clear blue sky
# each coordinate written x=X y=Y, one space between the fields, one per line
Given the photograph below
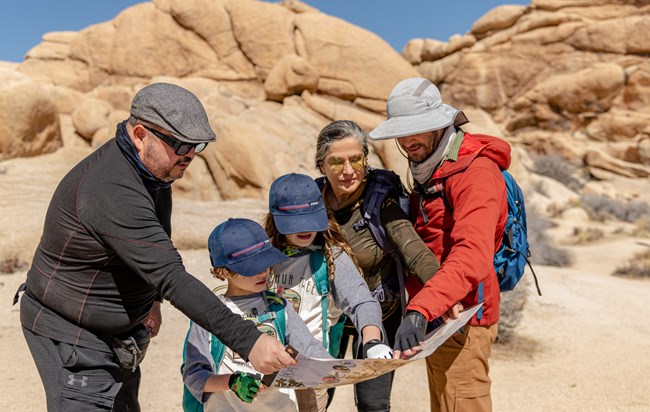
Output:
x=23 y=22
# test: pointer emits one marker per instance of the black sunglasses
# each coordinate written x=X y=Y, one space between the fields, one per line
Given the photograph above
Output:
x=180 y=148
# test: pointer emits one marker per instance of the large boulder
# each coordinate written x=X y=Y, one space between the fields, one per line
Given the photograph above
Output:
x=111 y=47
x=555 y=101
x=211 y=21
x=264 y=32
x=70 y=73
x=55 y=46
x=29 y=121
x=261 y=143
x=556 y=68
x=90 y=116
x=339 y=50
x=291 y=75
x=50 y=63
x=499 y=18
x=626 y=35
x=559 y=76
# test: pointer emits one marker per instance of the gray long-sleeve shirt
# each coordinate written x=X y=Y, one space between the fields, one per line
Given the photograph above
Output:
x=348 y=292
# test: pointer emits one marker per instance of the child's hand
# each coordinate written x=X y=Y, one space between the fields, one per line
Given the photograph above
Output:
x=376 y=349
x=245 y=385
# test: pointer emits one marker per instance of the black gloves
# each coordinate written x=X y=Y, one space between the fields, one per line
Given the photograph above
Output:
x=411 y=332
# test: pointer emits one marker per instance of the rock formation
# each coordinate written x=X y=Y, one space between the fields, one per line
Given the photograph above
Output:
x=270 y=76
x=568 y=77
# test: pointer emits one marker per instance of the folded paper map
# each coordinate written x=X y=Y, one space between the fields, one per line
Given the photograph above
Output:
x=326 y=373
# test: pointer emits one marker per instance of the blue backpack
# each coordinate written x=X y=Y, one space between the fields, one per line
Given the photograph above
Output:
x=511 y=258
x=513 y=255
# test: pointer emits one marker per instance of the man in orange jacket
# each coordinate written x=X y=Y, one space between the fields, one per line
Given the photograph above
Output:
x=459 y=208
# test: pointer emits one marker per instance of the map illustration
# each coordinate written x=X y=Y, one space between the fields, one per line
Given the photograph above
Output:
x=321 y=373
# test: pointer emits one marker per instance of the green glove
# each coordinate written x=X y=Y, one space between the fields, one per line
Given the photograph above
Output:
x=245 y=385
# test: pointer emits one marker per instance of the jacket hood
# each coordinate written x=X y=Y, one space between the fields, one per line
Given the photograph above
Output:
x=474 y=145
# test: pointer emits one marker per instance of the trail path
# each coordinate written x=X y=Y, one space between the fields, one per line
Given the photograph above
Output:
x=584 y=346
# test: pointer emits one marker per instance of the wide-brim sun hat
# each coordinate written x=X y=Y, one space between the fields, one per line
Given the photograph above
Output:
x=174 y=109
x=242 y=246
x=297 y=205
x=415 y=106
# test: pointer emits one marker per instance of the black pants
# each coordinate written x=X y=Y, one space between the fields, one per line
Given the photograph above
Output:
x=372 y=395
x=82 y=379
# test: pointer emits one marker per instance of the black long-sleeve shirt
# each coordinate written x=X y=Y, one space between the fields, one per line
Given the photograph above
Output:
x=105 y=255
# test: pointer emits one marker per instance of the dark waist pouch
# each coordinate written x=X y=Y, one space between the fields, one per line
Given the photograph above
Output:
x=129 y=349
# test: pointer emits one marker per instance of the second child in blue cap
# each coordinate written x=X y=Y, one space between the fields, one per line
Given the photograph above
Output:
x=215 y=377
x=321 y=277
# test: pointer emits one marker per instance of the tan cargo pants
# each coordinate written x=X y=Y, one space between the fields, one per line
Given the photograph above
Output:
x=458 y=371
x=312 y=400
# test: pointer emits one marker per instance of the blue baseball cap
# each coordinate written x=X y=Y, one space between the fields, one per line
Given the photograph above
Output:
x=242 y=246
x=297 y=205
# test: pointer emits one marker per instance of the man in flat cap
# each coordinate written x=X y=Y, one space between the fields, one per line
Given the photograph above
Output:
x=105 y=262
x=460 y=209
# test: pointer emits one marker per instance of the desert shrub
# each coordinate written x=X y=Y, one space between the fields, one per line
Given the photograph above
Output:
x=556 y=209
x=540 y=187
x=638 y=267
x=601 y=207
x=642 y=227
x=557 y=168
x=11 y=264
x=543 y=250
x=511 y=311
x=583 y=235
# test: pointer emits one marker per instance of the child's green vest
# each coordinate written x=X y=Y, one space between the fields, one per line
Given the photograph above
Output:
x=217 y=348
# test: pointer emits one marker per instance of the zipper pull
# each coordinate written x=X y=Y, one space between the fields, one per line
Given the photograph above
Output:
x=424 y=213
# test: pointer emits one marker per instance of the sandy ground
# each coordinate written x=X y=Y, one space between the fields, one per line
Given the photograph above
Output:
x=582 y=346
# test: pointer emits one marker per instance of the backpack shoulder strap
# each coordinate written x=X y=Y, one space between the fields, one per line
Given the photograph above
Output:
x=318 y=265
x=276 y=305
x=217 y=350
x=380 y=183
x=320 y=181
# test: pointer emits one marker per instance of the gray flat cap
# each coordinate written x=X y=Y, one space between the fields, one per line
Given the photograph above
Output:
x=175 y=109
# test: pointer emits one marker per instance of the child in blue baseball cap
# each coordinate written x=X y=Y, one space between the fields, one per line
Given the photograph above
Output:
x=215 y=377
x=320 y=277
